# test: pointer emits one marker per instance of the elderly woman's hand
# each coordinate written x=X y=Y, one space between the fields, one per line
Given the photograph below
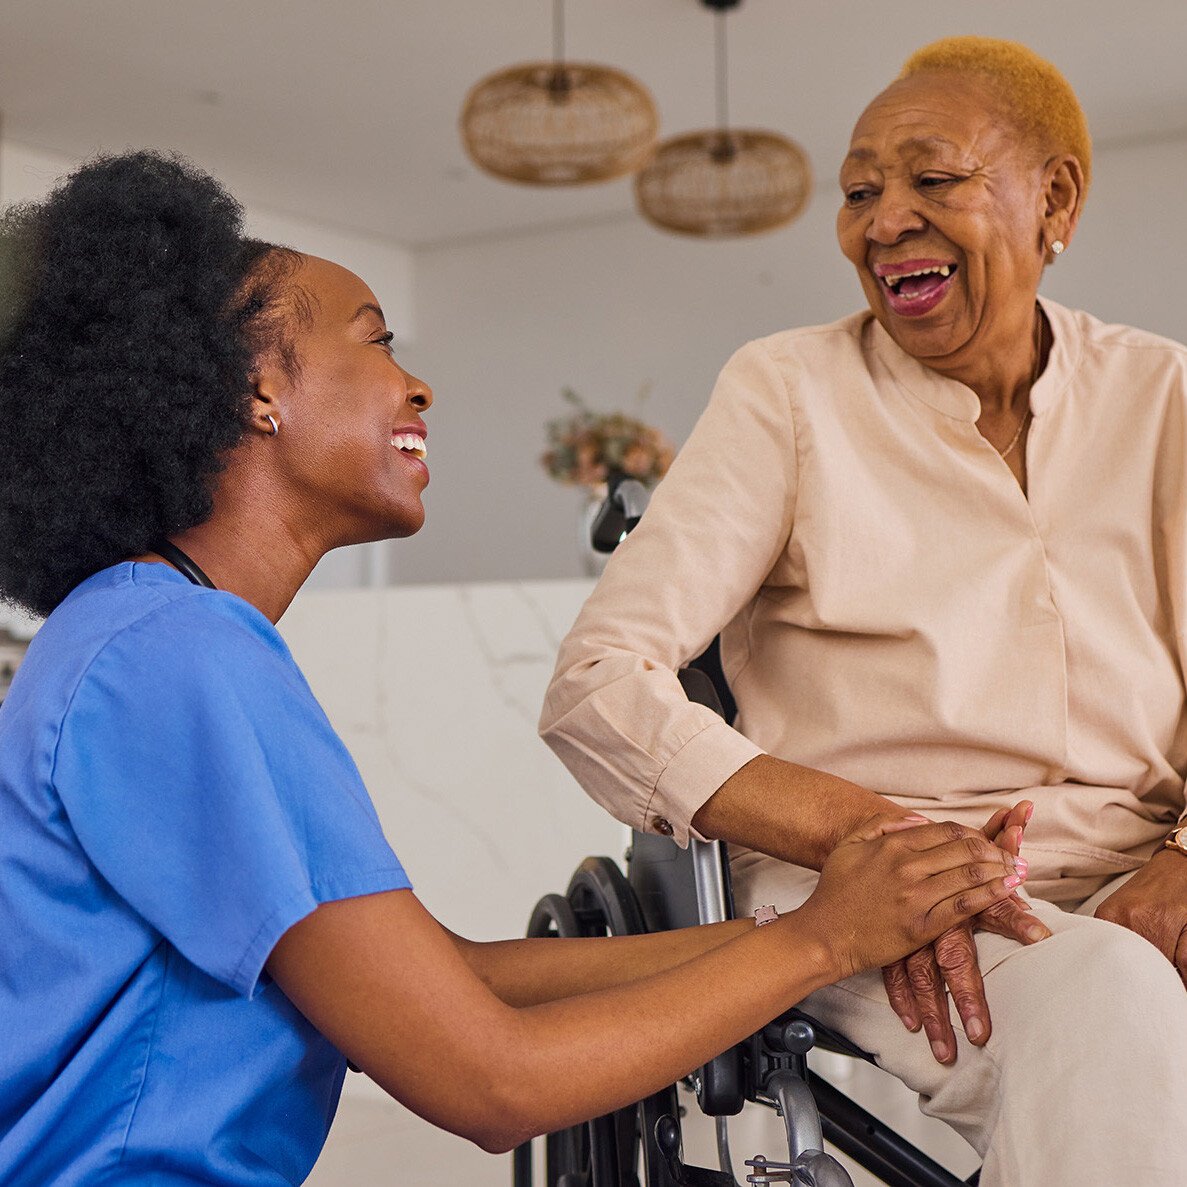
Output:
x=918 y=985
x=1154 y=904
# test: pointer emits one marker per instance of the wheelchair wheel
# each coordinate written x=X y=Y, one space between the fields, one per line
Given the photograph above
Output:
x=604 y=1152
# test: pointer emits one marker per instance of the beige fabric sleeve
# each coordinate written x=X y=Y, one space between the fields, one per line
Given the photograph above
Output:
x=1170 y=517
x=615 y=713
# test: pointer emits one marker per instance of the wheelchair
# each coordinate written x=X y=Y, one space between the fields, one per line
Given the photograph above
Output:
x=668 y=887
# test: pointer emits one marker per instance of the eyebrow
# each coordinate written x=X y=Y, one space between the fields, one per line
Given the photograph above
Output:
x=915 y=143
x=368 y=307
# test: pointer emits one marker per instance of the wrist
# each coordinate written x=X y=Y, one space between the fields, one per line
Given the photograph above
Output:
x=1175 y=842
x=812 y=945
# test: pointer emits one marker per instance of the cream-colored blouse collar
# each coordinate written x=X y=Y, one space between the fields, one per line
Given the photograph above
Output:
x=954 y=399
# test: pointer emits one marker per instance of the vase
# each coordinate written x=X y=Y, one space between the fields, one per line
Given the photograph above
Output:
x=592 y=561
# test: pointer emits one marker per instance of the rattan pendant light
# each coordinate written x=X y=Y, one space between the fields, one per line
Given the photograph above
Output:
x=725 y=181
x=559 y=122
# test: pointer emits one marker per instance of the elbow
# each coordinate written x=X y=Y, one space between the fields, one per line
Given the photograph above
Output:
x=501 y=1141
x=500 y=1132
x=494 y=1109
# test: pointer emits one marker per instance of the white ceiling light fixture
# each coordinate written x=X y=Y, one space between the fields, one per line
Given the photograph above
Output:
x=725 y=181
x=559 y=123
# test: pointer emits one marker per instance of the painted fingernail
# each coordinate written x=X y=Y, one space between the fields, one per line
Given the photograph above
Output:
x=1030 y=811
x=1021 y=865
x=975 y=1029
x=1012 y=881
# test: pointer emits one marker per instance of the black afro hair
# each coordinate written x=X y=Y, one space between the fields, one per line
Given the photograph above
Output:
x=132 y=309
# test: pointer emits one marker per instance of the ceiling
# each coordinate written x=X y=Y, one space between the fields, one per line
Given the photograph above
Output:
x=346 y=112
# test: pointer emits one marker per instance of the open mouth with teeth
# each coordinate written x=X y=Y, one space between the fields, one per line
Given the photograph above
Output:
x=915 y=287
x=410 y=443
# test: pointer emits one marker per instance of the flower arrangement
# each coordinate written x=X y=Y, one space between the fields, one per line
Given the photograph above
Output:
x=587 y=446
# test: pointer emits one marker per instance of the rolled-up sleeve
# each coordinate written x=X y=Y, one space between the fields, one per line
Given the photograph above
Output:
x=615 y=713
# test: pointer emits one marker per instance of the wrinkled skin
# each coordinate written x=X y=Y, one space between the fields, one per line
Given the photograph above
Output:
x=1154 y=904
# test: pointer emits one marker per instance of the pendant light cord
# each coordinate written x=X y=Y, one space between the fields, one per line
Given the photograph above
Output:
x=558 y=31
x=722 y=75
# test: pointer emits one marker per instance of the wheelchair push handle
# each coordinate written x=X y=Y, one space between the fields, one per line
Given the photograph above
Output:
x=620 y=513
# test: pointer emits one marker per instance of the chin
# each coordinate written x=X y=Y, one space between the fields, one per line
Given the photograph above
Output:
x=408 y=523
x=919 y=340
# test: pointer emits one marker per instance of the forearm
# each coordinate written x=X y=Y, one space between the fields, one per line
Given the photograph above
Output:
x=794 y=813
x=529 y=972
x=630 y=1041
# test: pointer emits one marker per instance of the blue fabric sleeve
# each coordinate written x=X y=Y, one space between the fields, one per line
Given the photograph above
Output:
x=207 y=786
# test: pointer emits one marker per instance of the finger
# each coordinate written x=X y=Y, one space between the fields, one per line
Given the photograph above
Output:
x=1021 y=813
x=956 y=954
x=995 y=824
x=901 y=995
x=1181 y=955
x=1011 y=917
x=928 y=987
x=970 y=849
x=963 y=906
x=1015 y=826
x=881 y=825
x=950 y=882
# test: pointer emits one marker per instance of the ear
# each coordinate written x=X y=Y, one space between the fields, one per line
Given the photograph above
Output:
x=1062 y=198
x=269 y=386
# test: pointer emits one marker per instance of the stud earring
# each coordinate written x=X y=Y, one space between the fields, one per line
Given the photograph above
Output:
x=1057 y=246
x=275 y=427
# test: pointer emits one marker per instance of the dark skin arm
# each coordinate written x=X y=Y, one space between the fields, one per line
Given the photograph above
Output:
x=428 y=1016
x=797 y=814
x=528 y=972
x=1153 y=903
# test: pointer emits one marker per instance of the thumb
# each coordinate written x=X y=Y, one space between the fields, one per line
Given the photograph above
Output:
x=879 y=826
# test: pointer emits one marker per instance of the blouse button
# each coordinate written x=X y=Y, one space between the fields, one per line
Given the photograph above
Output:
x=662 y=826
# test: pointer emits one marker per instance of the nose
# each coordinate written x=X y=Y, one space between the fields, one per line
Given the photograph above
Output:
x=894 y=215
x=420 y=395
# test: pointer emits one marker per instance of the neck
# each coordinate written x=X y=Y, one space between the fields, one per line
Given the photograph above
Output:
x=236 y=556
x=248 y=547
x=1002 y=377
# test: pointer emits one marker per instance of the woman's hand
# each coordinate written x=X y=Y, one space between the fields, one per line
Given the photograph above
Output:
x=1154 y=904
x=918 y=985
x=896 y=884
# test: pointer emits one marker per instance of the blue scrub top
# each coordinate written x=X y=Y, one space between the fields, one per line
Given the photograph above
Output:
x=172 y=800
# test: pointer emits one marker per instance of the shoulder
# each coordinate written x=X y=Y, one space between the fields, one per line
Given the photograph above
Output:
x=806 y=354
x=138 y=626
x=1102 y=344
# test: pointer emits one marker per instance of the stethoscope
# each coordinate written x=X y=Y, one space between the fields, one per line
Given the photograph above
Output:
x=183 y=564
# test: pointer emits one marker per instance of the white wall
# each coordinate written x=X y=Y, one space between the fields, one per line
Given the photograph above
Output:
x=503 y=324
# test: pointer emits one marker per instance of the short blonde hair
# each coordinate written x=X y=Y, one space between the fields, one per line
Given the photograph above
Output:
x=1033 y=93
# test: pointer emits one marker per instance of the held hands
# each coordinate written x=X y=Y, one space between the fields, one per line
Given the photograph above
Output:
x=896 y=884
x=917 y=986
x=1154 y=904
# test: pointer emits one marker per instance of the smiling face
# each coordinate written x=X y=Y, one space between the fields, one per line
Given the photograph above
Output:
x=351 y=447
x=943 y=216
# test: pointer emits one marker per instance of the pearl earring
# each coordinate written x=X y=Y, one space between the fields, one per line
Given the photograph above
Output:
x=1057 y=246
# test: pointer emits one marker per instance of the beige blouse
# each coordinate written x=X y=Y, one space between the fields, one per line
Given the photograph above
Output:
x=895 y=610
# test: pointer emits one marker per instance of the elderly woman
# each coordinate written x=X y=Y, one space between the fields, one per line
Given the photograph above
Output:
x=945 y=543
x=201 y=915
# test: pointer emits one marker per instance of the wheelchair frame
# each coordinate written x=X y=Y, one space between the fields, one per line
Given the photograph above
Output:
x=666 y=887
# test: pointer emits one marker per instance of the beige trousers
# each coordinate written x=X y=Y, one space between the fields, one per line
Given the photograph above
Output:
x=1084 y=1078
